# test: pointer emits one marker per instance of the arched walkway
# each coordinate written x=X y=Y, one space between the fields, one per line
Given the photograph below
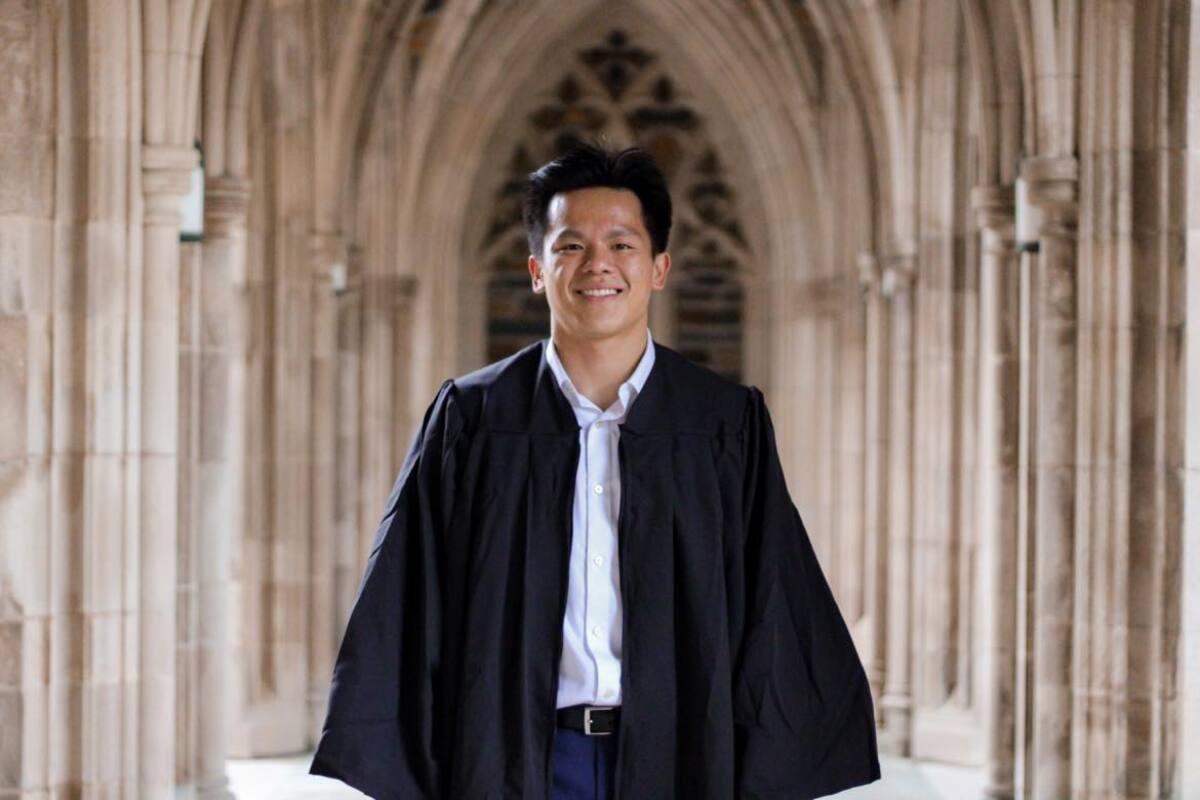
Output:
x=947 y=238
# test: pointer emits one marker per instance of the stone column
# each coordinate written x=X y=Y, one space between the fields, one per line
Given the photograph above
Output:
x=999 y=433
x=347 y=458
x=874 y=479
x=387 y=423
x=51 y=237
x=897 y=285
x=328 y=252
x=152 y=460
x=808 y=412
x=190 y=504
x=1186 y=316
x=849 y=309
x=1052 y=185
x=405 y=365
x=224 y=326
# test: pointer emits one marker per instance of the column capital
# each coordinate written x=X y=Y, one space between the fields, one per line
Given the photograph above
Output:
x=169 y=157
x=166 y=178
x=899 y=274
x=226 y=204
x=995 y=208
x=326 y=248
x=869 y=276
x=328 y=257
x=1053 y=186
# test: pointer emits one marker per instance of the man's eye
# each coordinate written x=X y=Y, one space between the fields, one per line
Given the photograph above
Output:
x=569 y=247
x=623 y=246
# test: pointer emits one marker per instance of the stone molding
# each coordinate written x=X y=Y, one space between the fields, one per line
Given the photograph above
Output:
x=1053 y=183
x=869 y=276
x=899 y=275
x=226 y=205
x=995 y=209
x=166 y=178
x=327 y=249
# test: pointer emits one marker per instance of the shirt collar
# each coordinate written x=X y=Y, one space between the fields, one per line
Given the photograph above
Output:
x=627 y=391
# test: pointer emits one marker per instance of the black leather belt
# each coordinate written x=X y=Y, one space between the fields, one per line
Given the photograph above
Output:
x=592 y=720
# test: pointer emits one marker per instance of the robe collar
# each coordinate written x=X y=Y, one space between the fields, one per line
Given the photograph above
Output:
x=551 y=411
x=627 y=392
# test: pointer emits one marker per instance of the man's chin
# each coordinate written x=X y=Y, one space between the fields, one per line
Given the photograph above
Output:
x=593 y=331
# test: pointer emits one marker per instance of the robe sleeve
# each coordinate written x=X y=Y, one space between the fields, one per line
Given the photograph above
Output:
x=803 y=715
x=379 y=730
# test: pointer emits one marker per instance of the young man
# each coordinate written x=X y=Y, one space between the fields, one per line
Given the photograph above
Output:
x=590 y=580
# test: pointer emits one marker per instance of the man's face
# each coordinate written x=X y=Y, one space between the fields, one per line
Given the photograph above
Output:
x=596 y=240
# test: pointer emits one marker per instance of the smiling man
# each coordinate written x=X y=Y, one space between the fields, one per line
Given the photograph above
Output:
x=590 y=580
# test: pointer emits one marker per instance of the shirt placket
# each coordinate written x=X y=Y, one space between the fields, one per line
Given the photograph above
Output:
x=605 y=571
x=595 y=626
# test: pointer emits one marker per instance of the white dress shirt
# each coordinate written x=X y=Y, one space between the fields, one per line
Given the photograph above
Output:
x=590 y=671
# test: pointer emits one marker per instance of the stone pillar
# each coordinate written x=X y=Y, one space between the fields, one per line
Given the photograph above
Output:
x=808 y=412
x=347 y=458
x=897 y=284
x=49 y=237
x=999 y=434
x=222 y=468
x=387 y=421
x=328 y=253
x=875 y=479
x=849 y=309
x=1186 y=315
x=1052 y=185
x=405 y=365
x=190 y=504
x=152 y=458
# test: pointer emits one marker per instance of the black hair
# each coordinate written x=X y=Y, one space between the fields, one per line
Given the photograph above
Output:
x=586 y=165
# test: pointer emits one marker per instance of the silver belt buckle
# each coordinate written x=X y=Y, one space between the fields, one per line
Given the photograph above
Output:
x=587 y=720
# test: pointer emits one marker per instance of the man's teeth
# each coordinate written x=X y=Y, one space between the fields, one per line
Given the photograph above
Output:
x=599 y=292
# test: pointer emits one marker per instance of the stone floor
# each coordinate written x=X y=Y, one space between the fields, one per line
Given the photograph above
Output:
x=286 y=779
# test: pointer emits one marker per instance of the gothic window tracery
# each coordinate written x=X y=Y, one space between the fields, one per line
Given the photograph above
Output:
x=622 y=94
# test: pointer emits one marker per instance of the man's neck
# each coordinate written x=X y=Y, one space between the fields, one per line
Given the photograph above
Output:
x=598 y=367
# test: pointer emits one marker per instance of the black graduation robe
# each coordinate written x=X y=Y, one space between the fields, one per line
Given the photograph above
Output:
x=739 y=678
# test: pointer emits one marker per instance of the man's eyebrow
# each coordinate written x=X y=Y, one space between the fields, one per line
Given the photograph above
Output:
x=612 y=233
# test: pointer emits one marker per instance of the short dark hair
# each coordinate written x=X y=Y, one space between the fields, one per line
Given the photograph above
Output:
x=585 y=166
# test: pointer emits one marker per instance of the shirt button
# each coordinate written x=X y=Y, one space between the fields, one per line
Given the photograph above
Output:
x=598 y=489
x=598 y=560
x=596 y=631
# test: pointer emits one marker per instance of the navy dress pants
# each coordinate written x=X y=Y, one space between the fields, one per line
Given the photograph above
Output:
x=583 y=766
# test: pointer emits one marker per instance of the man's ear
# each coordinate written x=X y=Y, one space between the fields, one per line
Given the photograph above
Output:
x=535 y=275
x=662 y=265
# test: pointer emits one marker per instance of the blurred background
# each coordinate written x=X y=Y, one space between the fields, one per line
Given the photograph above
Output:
x=242 y=242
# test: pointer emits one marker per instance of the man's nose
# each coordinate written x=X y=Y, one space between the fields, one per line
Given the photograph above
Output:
x=597 y=260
